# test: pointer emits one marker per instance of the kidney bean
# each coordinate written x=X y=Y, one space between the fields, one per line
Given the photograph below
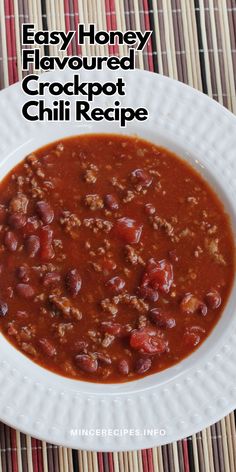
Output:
x=111 y=202
x=45 y=212
x=148 y=340
x=116 y=284
x=191 y=339
x=51 y=278
x=148 y=293
x=213 y=299
x=17 y=220
x=191 y=304
x=73 y=282
x=3 y=308
x=47 y=347
x=46 y=250
x=141 y=177
x=123 y=367
x=11 y=241
x=143 y=365
x=103 y=358
x=25 y=290
x=128 y=230
x=202 y=309
x=162 y=319
x=149 y=209
x=86 y=363
x=22 y=273
x=32 y=245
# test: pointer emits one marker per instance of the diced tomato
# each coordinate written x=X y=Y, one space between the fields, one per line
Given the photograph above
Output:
x=128 y=230
x=158 y=275
x=148 y=341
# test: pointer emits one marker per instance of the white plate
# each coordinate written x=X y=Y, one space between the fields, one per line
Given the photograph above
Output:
x=185 y=398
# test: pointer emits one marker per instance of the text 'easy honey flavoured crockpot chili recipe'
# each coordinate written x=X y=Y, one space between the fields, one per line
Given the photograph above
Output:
x=116 y=258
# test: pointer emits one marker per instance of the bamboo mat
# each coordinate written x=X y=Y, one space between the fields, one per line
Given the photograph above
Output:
x=193 y=41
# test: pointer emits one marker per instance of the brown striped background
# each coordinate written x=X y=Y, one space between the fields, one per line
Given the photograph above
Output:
x=193 y=41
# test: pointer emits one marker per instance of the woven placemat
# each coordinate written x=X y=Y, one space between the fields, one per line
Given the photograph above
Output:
x=193 y=41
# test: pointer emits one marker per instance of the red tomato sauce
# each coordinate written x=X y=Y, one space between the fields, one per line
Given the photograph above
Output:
x=116 y=258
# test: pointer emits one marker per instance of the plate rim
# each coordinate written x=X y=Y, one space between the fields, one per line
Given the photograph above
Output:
x=132 y=444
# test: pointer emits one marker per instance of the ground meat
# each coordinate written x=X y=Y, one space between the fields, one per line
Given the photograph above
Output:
x=29 y=349
x=109 y=306
x=198 y=251
x=186 y=232
x=62 y=328
x=142 y=321
x=60 y=147
x=57 y=243
x=36 y=189
x=32 y=160
x=27 y=333
x=97 y=267
x=132 y=256
x=94 y=335
x=94 y=202
x=71 y=223
x=42 y=269
x=162 y=224
x=108 y=340
x=63 y=306
x=212 y=229
x=19 y=203
x=97 y=224
x=192 y=200
x=212 y=246
x=135 y=302
x=90 y=175
x=129 y=196
x=115 y=182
